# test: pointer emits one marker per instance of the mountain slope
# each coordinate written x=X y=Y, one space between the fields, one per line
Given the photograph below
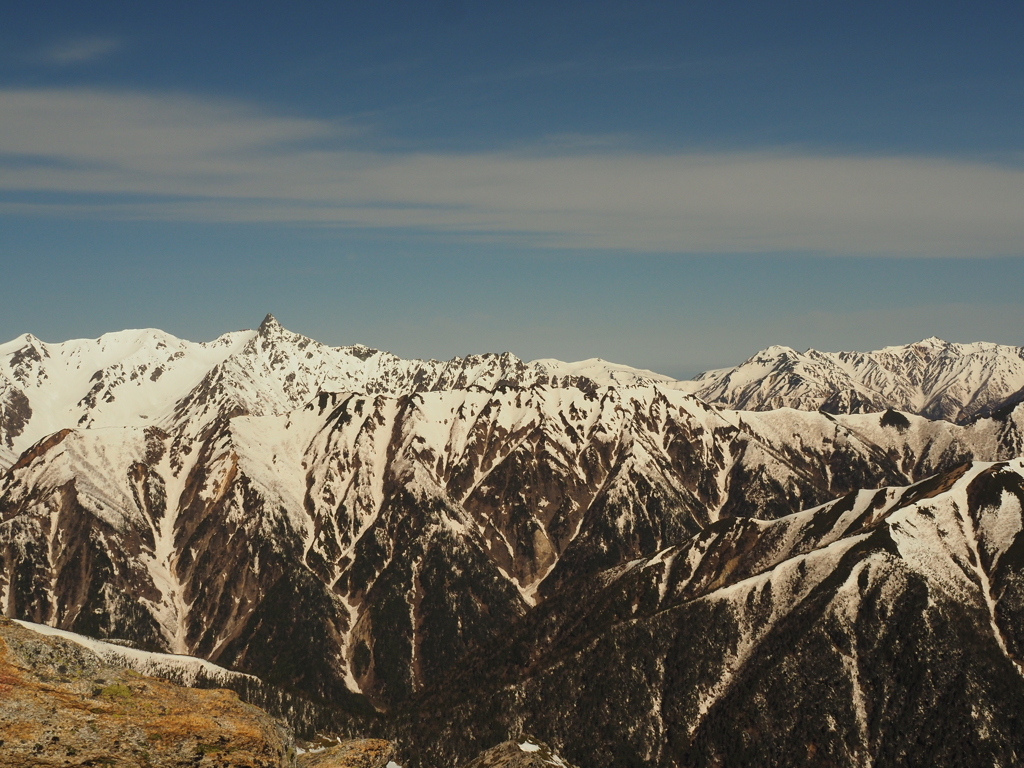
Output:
x=393 y=534
x=880 y=629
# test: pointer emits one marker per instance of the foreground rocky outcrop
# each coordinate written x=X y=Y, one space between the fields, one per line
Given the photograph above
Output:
x=60 y=704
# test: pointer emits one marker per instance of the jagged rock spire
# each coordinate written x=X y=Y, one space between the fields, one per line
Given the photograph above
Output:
x=269 y=323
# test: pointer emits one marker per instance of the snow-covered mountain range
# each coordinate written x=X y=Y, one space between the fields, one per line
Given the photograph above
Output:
x=933 y=378
x=141 y=377
x=359 y=528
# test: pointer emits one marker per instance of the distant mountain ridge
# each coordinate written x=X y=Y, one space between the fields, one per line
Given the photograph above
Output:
x=933 y=378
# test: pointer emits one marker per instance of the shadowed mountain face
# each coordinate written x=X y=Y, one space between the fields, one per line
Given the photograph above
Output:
x=880 y=629
x=370 y=531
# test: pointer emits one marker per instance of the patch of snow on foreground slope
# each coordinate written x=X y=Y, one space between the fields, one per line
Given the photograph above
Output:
x=184 y=670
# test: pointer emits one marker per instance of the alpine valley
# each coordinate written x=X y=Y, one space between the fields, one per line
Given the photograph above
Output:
x=809 y=559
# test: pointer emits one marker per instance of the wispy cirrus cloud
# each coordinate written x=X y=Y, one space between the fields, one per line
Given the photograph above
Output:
x=174 y=157
x=80 y=50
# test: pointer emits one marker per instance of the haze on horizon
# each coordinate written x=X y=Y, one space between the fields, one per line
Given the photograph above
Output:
x=670 y=186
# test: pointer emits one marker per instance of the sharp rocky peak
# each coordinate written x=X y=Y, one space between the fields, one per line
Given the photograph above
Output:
x=269 y=324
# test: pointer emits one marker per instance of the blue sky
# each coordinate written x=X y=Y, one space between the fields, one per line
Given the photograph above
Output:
x=669 y=185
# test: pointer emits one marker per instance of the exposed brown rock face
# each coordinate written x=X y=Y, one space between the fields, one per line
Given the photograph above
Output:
x=61 y=705
x=15 y=411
